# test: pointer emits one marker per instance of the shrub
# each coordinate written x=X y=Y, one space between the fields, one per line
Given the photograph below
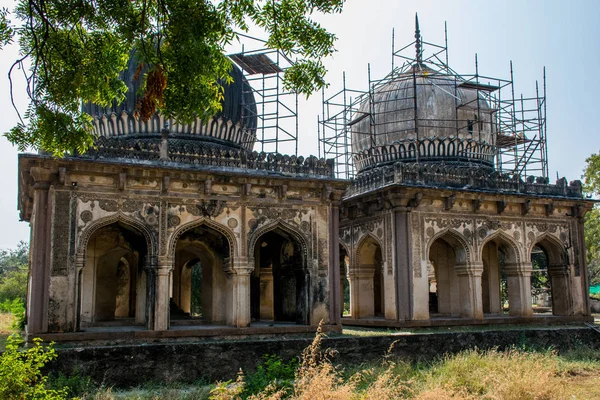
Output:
x=74 y=385
x=16 y=308
x=271 y=371
x=20 y=371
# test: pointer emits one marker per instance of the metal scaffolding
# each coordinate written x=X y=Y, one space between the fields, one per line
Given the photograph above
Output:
x=276 y=108
x=517 y=125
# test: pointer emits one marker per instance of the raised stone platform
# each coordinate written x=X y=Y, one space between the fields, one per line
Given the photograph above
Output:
x=131 y=365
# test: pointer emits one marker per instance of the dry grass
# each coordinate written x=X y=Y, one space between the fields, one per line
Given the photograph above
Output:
x=469 y=375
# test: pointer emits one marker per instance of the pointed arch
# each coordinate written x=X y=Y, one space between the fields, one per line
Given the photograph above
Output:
x=457 y=241
x=557 y=253
x=132 y=223
x=501 y=236
x=229 y=235
x=287 y=228
x=355 y=257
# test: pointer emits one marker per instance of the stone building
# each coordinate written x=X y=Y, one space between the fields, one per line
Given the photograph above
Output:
x=432 y=230
x=167 y=230
x=181 y=227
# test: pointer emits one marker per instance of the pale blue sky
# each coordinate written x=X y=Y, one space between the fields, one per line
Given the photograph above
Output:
x=563 y=36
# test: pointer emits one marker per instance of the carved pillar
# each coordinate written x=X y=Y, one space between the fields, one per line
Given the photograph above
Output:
x=469 y=282
x=39 y=270
x=140 y=301
x=492 y=277
x=362 y=303
x=303 y=307
x=336 y=295
x=518 y=282
x=402 y=257
x=560 y=282
x=161 y=299
x=79 y=266
x=240 y=284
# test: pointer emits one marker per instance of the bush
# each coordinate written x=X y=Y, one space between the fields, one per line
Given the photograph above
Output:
x=16 y=308
x=20 y=371
x=271 y=371
x=74 y=385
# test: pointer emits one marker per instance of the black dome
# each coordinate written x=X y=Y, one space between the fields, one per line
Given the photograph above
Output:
x=235 y=126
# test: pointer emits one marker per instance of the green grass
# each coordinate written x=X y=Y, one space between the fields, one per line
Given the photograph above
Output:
x=6 y=328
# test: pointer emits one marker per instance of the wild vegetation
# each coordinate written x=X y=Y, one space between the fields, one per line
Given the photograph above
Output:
x=591 y=178
x=518 y=373
x=13 y=287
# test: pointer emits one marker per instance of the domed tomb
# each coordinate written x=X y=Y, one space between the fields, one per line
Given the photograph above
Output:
x=423 y=115
x=233 y=127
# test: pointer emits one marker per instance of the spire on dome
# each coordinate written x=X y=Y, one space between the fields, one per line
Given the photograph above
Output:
x=418 y=45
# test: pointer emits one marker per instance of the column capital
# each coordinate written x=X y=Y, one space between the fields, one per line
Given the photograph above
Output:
x=42 y=177
x=472 y=269
x=518 y=269
x=559 y=270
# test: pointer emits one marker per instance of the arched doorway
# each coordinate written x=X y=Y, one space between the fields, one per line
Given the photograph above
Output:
x=506 y=287
x=367 y=289
x=280 y=282
x=113 y=281
x=550 y=280
x=199 y=284
x=446 y=299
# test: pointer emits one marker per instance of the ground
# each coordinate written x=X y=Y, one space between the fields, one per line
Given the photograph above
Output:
x=468 y=375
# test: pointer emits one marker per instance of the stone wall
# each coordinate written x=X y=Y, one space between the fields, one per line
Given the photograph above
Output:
x=131 y=365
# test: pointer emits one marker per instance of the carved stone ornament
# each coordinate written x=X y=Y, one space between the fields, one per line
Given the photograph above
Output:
x=482 y=232
x=430 y=231
x=108 y=205
x=232 y=223
x=174 y=220
x=131 y=206
x=305 y=226
x=86 y=216
x=207 y=208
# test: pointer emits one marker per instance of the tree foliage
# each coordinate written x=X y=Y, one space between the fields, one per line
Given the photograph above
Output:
x=14 y=268
x=20 y=371
x=78 y=48
x=591 y=186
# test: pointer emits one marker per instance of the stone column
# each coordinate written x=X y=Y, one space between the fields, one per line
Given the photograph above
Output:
x=469 y=283
x=240 y=276
x=562 y=299
x=402 y=257
x=336 y=299
x=39 y=269
x=266 y=310
x=162 y=274
x=79 y=266
x=518 y=282
x=362 y=304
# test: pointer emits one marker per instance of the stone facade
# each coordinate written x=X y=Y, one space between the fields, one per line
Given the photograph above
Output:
x=112 y=241
x=426 y=253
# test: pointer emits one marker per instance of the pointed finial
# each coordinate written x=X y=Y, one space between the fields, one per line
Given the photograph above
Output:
x=418 y=41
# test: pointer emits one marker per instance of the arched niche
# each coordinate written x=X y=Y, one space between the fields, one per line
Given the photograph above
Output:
x=448 y=251
x=551 y=277
x=367 y=288
x=506 y=280
x=113 y=280
x=199 y=278
x=280 y=282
